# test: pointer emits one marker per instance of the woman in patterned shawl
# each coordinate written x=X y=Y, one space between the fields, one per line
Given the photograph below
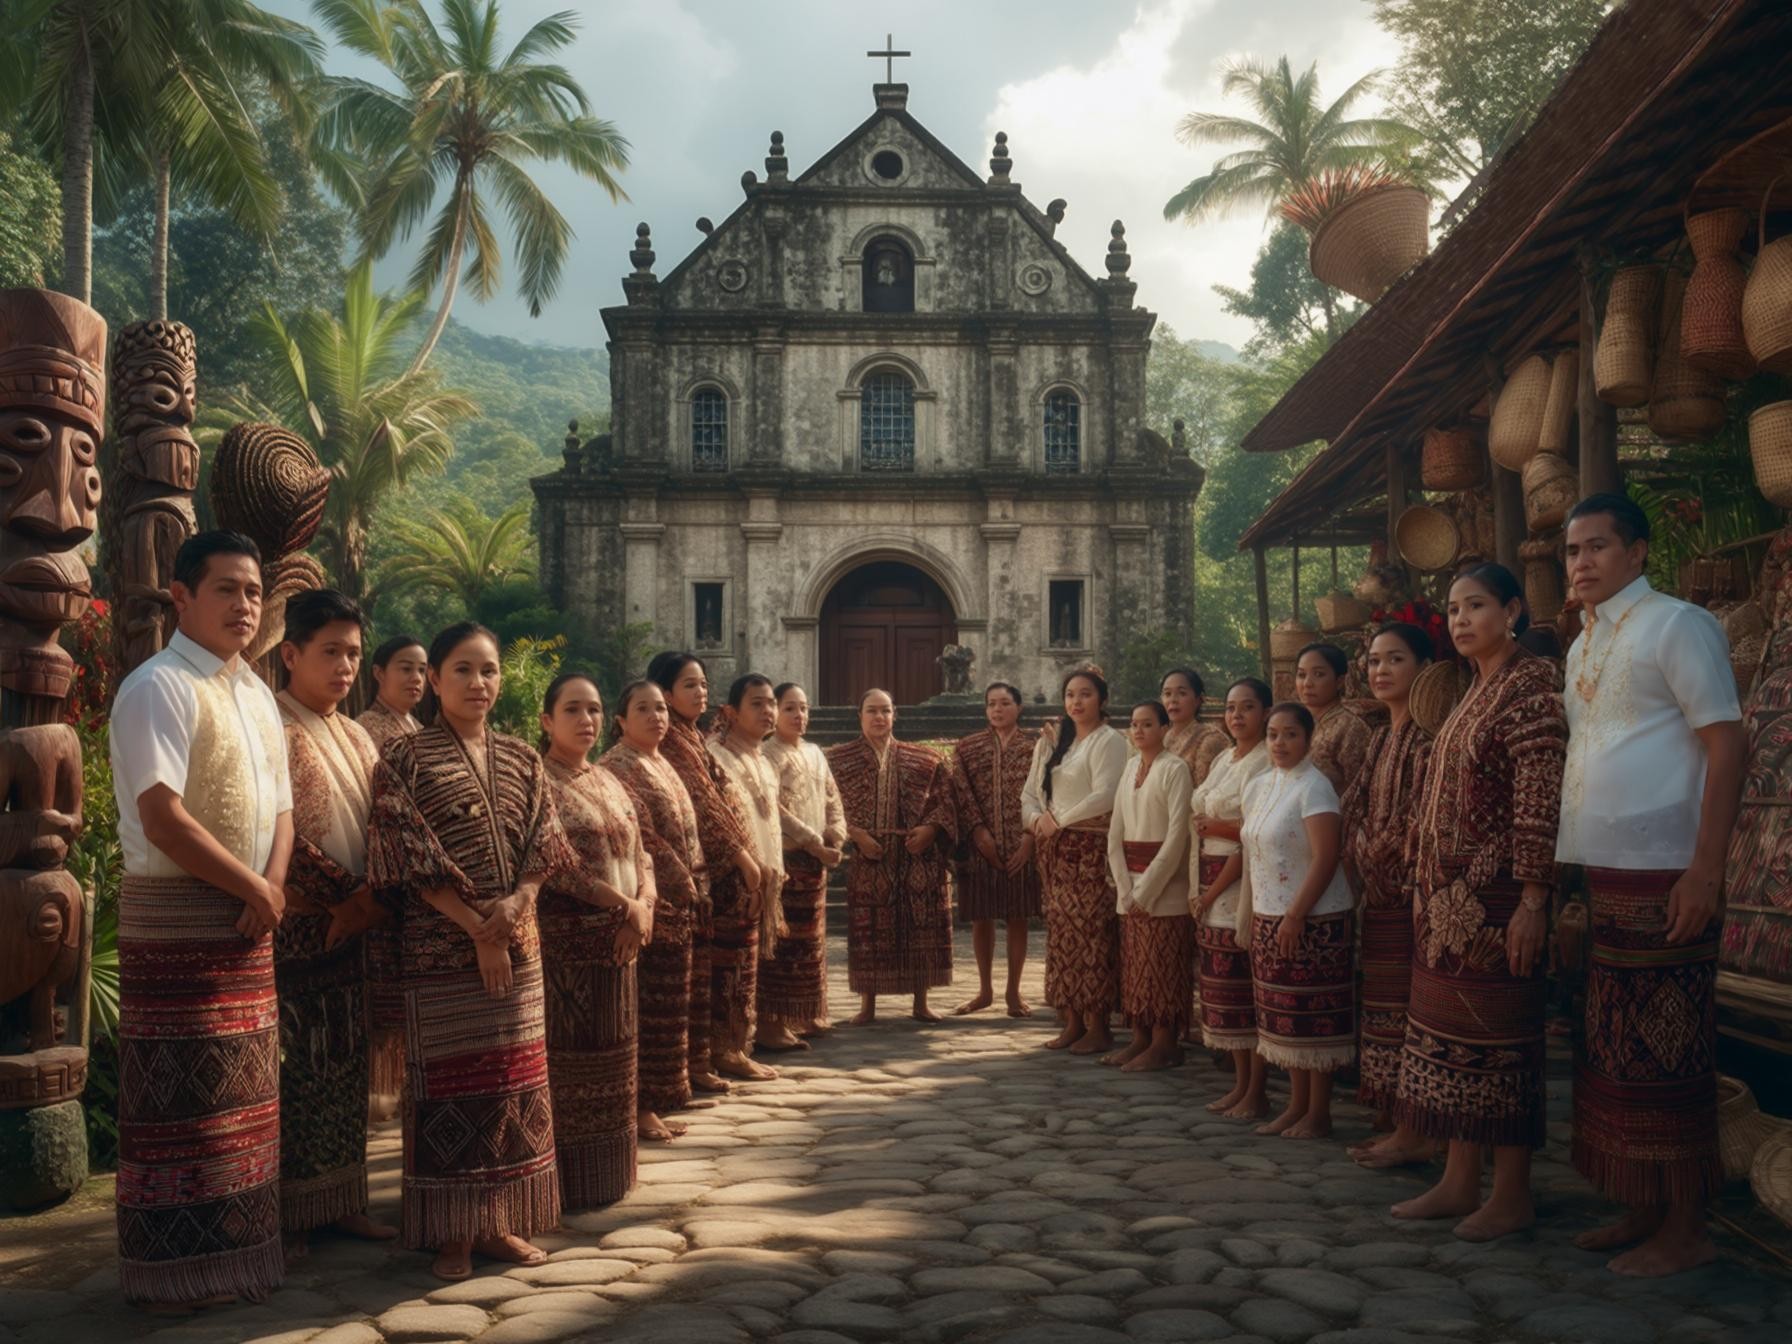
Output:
x=463 y=834
x=998 y=877
x=1198 y=744
x=669 y=833
x=1340 y=738
x=725 y=955
x=1378 y=813
x=318 y=945
x=793 y=981
x=594 y=916
x=1483 y=855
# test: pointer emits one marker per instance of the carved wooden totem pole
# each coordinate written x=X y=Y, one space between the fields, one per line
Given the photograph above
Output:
x=149 y=505
x=267 y=484
x=52 y=417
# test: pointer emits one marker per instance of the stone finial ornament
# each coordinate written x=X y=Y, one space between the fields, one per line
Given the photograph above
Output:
x=1119 y=260
x=569 y=448
x=777 y=164
x=705 y=225
x=641 y=254
x=1000 y=164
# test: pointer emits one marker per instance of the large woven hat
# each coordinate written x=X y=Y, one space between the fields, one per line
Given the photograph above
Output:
x=267 y=483
x=1741 y=1128
x=1435 y=692
x=1428 y=538
x=1770 y=1176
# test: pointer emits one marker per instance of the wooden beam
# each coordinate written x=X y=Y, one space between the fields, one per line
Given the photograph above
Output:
x=1294 y=580
x=1261 y=566
x=1598 y=441
x=1397 y=490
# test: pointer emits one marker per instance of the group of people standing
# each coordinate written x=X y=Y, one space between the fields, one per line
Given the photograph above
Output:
x=540 y=953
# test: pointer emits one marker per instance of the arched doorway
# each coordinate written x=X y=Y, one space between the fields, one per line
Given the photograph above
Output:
x=884 y=624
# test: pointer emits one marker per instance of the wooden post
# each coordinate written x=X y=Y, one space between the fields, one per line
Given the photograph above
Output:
x=1598 y=422
x=1294 y=580
x=1261 y=565
x=1508 y=493
x=1397 y=493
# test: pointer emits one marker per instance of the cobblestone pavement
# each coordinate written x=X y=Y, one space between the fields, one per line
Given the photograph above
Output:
x=954 y=1183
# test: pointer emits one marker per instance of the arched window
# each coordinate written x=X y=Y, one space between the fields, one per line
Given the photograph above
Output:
x=709 y=430
x=1063 y=432
x=886 y=423
x=889 y=277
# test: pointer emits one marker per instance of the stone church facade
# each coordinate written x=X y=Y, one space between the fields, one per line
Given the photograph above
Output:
x=877 y=410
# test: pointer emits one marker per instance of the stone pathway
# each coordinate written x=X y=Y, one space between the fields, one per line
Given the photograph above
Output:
x=958 y=1183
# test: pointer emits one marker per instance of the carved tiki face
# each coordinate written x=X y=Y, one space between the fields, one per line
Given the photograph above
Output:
x=154 y=373
x=52 y=414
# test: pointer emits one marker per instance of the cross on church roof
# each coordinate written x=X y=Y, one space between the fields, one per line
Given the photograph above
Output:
x=889 y=54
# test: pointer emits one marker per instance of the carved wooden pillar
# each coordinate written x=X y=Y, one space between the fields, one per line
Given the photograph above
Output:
x=52 y=418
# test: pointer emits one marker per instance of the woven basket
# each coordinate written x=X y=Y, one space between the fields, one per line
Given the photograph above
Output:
x=1451 y=460
x=1288 y=639
x=1427 y=538
x=1371 y=242
x=1558 y=410
x=1542 y=579
x=1517 y=422
x=1770 y=1175
x=1741 y=1128
x=1711 y=335
x=1435 y=692
x=1745 y=661
x=1767 y=299
x=1743 y=621
x=1338 y=610
x=1770 y=448
x=1550 y=488
x=1684 y=402
x=1625 y=358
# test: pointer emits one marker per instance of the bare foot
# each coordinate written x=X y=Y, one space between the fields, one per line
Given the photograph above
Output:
x=366 y=1228
x=1250 y=1108
x=652 y=1129
x=864 y=1017
x=1637 y=1225
x=712 y=1083
x=512 y=1250
x=1224 y=1105
x=1308 y=1128
x=1283 y=1121
x=777 y=1036
x=453 y=1263
x=1019 y=1007
x=1664 y=1254
x=1490 y=1223
x=1438 y=1202
x=1065 y=1038
x=1383 y=1156
x=922 y=1013
x=1126 y=1055
x=1094 y=1043
x=819 y=1027
x=745 y=1068
x=975 y=1005
x=700 y=1104
x=1149 y=1061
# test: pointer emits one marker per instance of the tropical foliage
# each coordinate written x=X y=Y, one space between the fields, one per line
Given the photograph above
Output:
x=29 y=206
x=460 y=551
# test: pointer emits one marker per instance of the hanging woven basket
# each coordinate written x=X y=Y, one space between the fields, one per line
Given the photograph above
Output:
x=1551 y=486
x=1288 y=639
x=1685 y=403
x=1625 y=357
x=1428 y=538
x=1366 y=245
x=1517 y=423
x=1436 y=691
x=1542 y=579
x=1770 y=449
x=1559 y=408
x=1450 y=459
x=1711 y=335
x=1339 y=610
x=1767 y=299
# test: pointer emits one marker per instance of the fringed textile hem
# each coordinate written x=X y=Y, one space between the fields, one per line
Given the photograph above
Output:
x=793 y=983
x=663 y=980
x=322 y=1200
x=1156 y=969
x=1645 y=1081
x=1228 y=1001
x=323 y=1083
x=1387 y=987
x=437 y=1212
x=596 y=1171
x=248 y=1271
x=1306 y=1003
x=1082 y=929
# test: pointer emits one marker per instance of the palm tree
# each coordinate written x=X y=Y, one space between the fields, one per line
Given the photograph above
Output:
x=469 y=119
x=110 y=86
x=460 y=551
x=337 y=382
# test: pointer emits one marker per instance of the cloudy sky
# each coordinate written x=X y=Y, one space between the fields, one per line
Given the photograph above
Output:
x=1089 y=92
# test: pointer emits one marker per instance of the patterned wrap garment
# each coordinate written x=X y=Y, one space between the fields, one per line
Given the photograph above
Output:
x=748 y=936
x=478 y=1117
x=1199 y=745
x=323 y=1007
x=899 y=907
x=793 y=982
x=385 y=994
x=1472 y=1068
x=1340 y=744
x=1378 y=816
x=988 y=775
x=1225 y=1001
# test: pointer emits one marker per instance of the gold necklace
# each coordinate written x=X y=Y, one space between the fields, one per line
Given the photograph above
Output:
x=1588 y=688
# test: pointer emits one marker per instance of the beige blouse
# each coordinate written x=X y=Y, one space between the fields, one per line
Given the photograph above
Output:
x=1221 y=798
x=756 y=780
x=809 y=807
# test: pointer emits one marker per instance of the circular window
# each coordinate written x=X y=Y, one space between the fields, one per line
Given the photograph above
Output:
x=888 y=164
x=732 y=276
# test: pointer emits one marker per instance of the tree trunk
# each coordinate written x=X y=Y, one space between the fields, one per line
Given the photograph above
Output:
x=77 y=166
x=1331 y=316
x=451 y=281
x=158 y=247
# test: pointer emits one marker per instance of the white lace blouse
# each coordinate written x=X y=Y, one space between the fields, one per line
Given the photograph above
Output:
x=1276 y=849
x=1221 y=797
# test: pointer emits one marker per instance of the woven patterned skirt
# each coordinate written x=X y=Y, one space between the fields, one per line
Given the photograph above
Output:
x=698 y=1005
x=989 y=892
x=1082 y=929
x=1387 y=985
x=1306 y=1003
x=478 y=1115
x=323 y=1074
x=1472 y=1067
x=198 y=1097
x=592 y=1034
x=898 y=942
x=385 y=1010
x=663 y=998
x=793 y=981
x=1157 y=969
x=733 y=965
x=1645 y=1080
x=1228 y=1001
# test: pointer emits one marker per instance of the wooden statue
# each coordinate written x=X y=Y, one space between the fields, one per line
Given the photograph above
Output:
x=52 y=418
x=267 y=484
x=149 y=508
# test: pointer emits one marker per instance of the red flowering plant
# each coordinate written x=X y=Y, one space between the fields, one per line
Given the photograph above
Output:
x=89 y=643
x=1419 y=612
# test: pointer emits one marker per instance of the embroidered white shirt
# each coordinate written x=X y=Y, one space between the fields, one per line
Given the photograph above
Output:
x=1221 y=797
x=1659 y=670
x=1083 y=785
x=1154 y=810
x=1277 y=852
x=211 y=732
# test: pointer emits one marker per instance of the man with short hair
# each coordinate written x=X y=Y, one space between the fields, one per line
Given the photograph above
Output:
x=205 y=821
x=1649 y=796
